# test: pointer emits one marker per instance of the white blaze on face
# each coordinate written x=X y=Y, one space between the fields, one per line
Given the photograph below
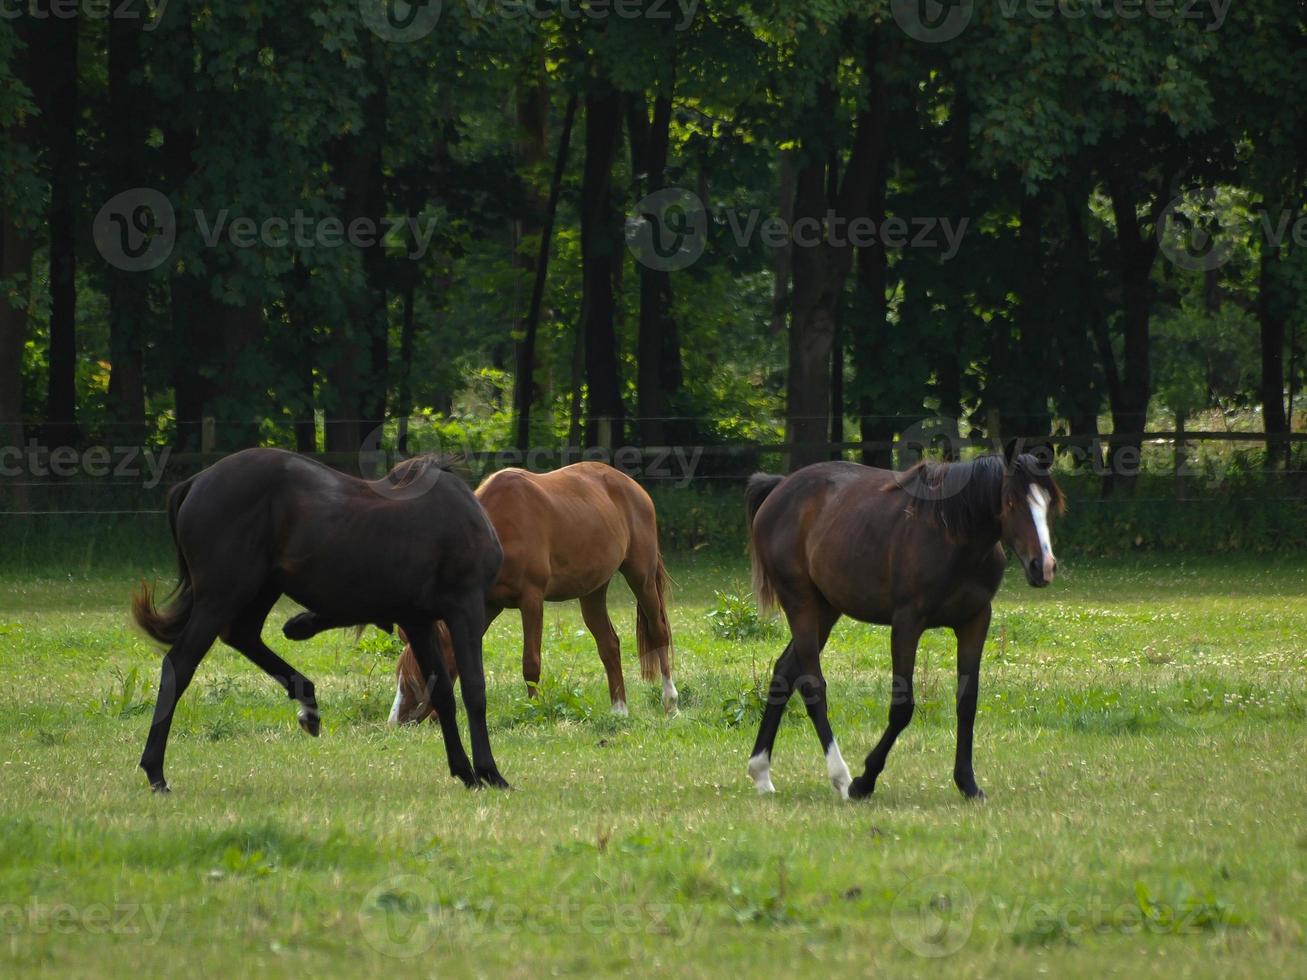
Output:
x=760 y=772
x=394 y=718
x=838 y=771
x=1039 y=501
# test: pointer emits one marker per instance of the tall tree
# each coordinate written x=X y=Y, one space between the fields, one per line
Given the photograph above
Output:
x=126 y=128
x=17 y=219
x=61 y=126
x=599 y=256
x=820 y=267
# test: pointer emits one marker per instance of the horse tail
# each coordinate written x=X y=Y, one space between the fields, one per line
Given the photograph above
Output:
x=654 y=656
x=757 y=490
x=166 y=626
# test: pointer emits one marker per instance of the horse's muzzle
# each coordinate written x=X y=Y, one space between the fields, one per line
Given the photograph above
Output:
x=1039 y=572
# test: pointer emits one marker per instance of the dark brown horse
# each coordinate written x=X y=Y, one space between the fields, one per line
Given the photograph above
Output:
x=911 y=550
x=565 y=535
x=410 y=548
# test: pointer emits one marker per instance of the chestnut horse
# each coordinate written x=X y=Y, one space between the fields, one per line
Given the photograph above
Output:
x=410 y=548
x=912 y=550
x=565 y=535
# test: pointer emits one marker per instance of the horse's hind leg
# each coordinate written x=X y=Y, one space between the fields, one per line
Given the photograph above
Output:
x=594 y=610
x=652 y=633
x=905 y=632
x=466 y=624
x=421 y=637
x=778 y=696
x=175 y=675
x=245 y=634
x=810 y=626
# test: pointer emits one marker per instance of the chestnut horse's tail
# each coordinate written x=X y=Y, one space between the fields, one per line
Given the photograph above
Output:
x=757 y=490
x=652 y=653
x=166 y=626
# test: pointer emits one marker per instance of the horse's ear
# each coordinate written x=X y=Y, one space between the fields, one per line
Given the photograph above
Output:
x=1011 y=450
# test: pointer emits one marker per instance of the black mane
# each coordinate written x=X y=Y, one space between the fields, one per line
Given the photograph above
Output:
x=968 y=499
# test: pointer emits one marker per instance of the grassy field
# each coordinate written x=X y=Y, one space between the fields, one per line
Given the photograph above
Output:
x=1141 y=737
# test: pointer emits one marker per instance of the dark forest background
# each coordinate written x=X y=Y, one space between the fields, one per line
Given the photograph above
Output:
x=1089 y=156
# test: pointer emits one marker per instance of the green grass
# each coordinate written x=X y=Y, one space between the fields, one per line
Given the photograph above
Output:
x=1141 y=737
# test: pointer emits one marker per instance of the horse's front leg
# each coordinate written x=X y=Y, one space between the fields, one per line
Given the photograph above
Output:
x=905 y=632
x=532 y=608
x=971 y=640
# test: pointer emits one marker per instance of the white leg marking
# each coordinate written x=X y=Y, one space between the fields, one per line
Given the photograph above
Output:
x=394 y=708
x=760 y=772
x=838 y=771
x=670 y=696
x=620 y=709
x=1039 y=500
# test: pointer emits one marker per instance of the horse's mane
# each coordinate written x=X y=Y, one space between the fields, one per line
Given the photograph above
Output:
x=407 y=471
x=969 y=498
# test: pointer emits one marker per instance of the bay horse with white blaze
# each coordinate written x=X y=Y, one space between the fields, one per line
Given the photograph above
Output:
x=911 y=550
x=565 y=535
x=410 y=548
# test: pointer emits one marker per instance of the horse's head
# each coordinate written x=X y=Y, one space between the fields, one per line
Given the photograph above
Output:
x=412 y=702
x=1030 y=496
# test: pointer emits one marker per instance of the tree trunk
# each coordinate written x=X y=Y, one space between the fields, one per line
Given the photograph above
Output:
x=784 y=255
x=1080 y=399
x=524 y=380
x=299 y=317
x=192 y=310
x=360 y=346
x=15 y=265
x=16 y=248
x=61 y=124
x=658 y=354
x=599 y=247
x=1034 y=343
x=1271 y=320
x=128 y=300
x=820 y=269
x=1135 y=255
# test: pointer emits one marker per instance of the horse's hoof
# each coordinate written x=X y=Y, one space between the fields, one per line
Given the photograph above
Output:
x=974 y=795
x=311 y=722
x=620 y=709
x=160 y=787
x=299 y=627
x=860 y=789
x=494 y=780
